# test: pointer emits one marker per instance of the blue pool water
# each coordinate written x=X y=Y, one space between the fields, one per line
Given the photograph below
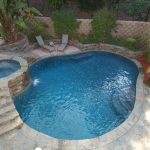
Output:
x=80 y=96
x=8 y=67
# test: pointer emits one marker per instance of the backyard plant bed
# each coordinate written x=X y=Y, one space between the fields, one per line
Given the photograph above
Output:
x=18 y=44
x=13 y=20
x=146 y=65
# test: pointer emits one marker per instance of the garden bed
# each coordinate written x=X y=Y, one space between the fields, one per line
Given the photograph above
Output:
x=21 y=43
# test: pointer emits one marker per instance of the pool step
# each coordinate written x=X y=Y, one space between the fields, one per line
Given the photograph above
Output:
x=120 y=106
x=4 y=101
x=5 y=104
x=6 y=109
x=8 y=117
x=4 y=88
x=4 y=94
x=11 y=125
x=4 y=91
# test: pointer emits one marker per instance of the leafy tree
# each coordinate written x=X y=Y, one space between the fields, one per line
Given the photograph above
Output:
x=104 y=22
x=10 y=12
x=65 y=23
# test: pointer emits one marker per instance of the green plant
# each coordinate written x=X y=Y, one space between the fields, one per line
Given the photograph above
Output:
x=47 y=36
x=1 y=33
x=90 y=5
x=147 y=39
x=35 y=30
x=148 y=56
x=10 y=12
x=87 y=39
x=104 y=22
x=56 y=4
x=65 y=23
x=31 y=27
x=132 y=43
x=148 y=51
x=139 y=9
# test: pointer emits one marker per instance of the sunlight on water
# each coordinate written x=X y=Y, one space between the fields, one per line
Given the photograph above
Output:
x=36 y=82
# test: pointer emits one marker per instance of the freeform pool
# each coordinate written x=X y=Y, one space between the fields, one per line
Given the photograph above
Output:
x=79 y=96
x=8 y=67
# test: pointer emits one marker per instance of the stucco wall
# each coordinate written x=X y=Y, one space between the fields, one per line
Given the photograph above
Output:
x=125 y=29
x=138 y=29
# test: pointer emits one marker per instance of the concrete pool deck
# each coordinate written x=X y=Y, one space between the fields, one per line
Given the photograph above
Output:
x=134 y=137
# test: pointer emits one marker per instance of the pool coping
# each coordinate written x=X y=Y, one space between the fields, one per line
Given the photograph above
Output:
x=108 y=137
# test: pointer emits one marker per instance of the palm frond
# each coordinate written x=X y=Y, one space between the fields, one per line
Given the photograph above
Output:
x=21 y=5
x=33 y=11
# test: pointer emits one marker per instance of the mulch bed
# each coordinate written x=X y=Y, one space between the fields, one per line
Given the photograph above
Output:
x=18 y=38
x=144 y=62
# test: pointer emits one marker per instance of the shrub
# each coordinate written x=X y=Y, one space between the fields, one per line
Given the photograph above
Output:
x=87 y=39
x=65 y=23
x=31 y=28
x=148 y=41
x=148 y=56
x=1 y=33
x=38 y=29
x=104 y=22
x=132 y=43
x=47 y=36
x=90 y=5
x=148 y=52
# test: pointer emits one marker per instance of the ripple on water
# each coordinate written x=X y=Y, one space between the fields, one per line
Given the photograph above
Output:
x=80 y=96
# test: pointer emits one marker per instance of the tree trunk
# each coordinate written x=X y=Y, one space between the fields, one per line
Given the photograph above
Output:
x=7 y=29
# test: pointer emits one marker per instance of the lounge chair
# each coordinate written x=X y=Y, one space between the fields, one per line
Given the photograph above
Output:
x=64 y=42
x=41 y=43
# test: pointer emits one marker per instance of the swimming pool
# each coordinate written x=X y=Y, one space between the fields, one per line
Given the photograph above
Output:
x=79 y=96
x=8 y=67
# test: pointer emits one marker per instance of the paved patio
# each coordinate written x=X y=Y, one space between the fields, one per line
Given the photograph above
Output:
x=37 y=52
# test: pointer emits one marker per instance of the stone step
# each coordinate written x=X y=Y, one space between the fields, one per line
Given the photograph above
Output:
x=2 y=89
x=8 y=117
x=5 y=92
x=11 y=125
x=6 y=104
x=5 y=100
x=6 y=109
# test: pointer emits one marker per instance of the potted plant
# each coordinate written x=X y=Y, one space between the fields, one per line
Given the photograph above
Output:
x=10 y=12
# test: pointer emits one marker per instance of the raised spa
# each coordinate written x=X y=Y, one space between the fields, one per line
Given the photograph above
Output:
x=7 y=67
x=79 y=96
